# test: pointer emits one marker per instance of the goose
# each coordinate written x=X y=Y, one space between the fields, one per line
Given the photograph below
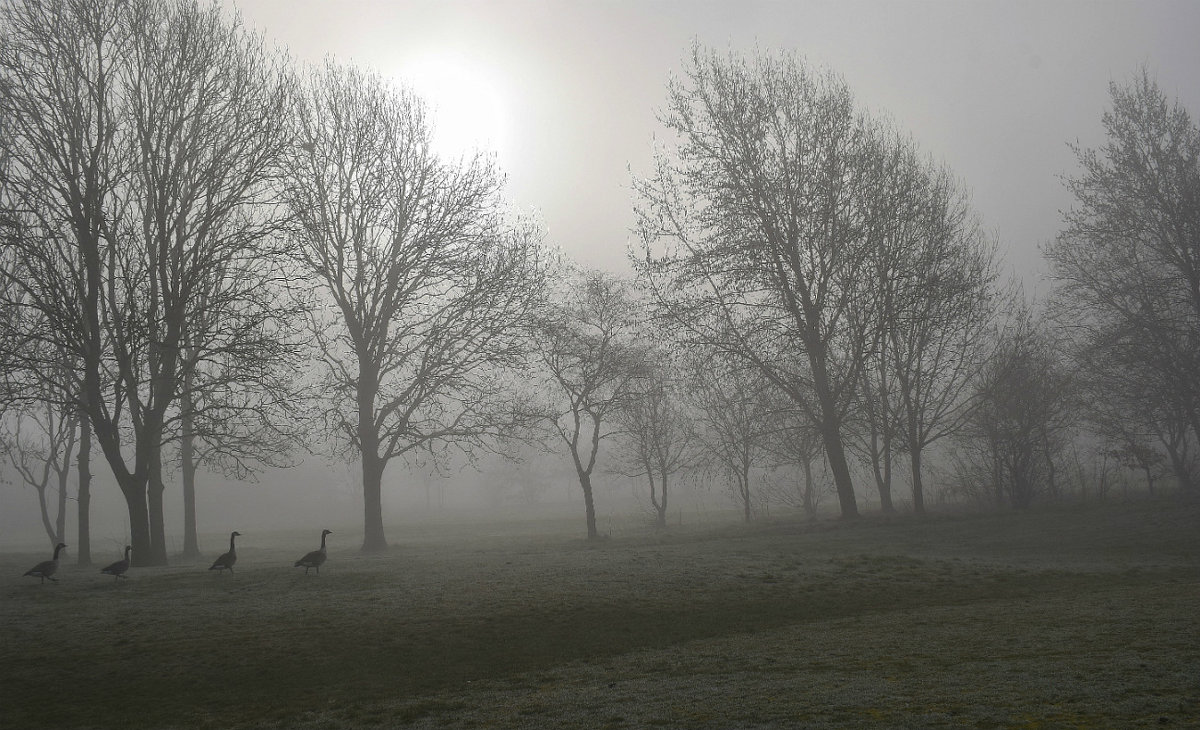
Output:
x=117 y=569
x=316 y=557
x=226 y=561
x=46 y=568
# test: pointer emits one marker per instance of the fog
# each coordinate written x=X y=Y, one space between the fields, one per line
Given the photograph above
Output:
x=997 y=90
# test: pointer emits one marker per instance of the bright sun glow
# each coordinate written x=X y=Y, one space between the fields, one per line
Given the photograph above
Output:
x=466 y=101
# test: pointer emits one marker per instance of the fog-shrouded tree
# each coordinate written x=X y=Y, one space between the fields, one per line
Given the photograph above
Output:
x=40 y=443
x=1025 y=412
x=757 y=229
x=588 y=347
x=737 y=414
x=426 y=284
x=795 y=444
x=1127 y=269
x=658 y=440
x=147 y=136
x=937 y=310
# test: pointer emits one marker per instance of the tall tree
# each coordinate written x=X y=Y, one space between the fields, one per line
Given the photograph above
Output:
x=1127 y=262
x=146 y=133
x=937 y=306
x=586 y=342
x=756 y=231
x=428 y=286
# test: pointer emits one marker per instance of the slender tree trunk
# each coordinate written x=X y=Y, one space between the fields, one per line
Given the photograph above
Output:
x=881 y=465
x=810 y=504
x=84 y=468
x=60 y=522
x=191 y=541
x=187 y=458
x=585 y=483
x=662 y=508
x=54 y=537
x=743 y=478
x=914 y=451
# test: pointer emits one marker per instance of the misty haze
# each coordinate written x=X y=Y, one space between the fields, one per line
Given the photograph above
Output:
x=514 y=364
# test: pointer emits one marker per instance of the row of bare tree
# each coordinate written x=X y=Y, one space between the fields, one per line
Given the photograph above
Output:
x=214 y=257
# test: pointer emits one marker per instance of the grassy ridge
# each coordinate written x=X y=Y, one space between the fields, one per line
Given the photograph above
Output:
x=438 y=631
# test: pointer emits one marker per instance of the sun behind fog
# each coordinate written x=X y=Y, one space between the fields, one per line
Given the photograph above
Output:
x=466 y=100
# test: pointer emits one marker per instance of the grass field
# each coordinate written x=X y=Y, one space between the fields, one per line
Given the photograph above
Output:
x=1087 y=616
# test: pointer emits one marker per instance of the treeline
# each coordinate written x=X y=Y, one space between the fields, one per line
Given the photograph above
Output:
x=215 y=259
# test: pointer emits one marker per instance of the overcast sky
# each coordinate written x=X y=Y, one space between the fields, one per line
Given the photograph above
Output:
x=566 y=92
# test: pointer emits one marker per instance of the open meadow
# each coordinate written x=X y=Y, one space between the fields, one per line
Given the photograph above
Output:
x=1080 y=616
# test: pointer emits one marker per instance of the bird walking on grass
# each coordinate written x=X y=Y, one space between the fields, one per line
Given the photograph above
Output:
x=226 y=561
x=47 y=568
x=117 y=569
x=316 y=557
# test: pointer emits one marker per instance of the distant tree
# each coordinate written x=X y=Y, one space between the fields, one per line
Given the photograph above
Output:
x=1025 y=412
x=757 y=231
x=40 y=446
x=938 y=309
x=657 y=440
x=427 y=287
x=794 y=442
x=586 y=343
x=736 y=421
x=1127 y=268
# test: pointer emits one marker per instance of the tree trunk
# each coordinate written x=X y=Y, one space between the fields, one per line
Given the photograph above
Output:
x=155 y=512
x=881 y=464
x=60 y=522
x=139 y=521
x=187 y=458
x=836 y=452
x=84 y=467
x=918 y=486
x=585 y=483
x=810 y=503
x=374 y=540
x=191 y=542
x=744 y=486
x=54 y=537
x=662 y=508
x=831 y=435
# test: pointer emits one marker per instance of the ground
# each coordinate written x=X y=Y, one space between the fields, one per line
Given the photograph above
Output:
x=1072 y=616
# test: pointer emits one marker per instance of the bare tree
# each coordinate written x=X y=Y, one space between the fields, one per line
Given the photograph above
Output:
x=146 y=134
x=658 y=441
x=756 y=231
x=736 y=416
x=938 y=313
x=1025 y=412
x=1127 y=264
x=428 y=286
x=795 y=443
x=40 y=446
x=586 y=345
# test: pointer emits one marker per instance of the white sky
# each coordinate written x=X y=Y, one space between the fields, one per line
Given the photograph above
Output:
x=567 y=91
